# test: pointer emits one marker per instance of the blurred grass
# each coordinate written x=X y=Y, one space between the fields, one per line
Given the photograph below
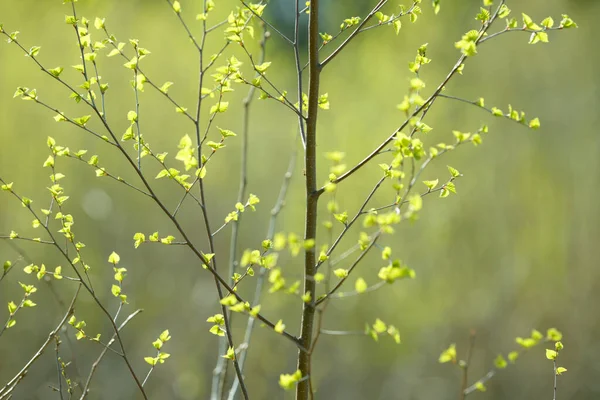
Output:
x=514 y=250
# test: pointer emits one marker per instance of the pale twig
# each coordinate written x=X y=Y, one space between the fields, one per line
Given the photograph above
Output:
x=262 y=273
x=86 y=389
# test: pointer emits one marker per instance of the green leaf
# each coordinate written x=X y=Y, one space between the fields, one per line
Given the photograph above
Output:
x=558 y=346
x=29 y=303
x=534 y=123
x=360 y=286
x=115 y=290
x=131 y=64
x=165 y=336
x=454 y=172
x=538 y=37
x=279 y=327
x=431 y=184
x=167 y=240
x=262 y=68
x=217 y=331
x=226 y=133
x=324 y=101
x=215 y=145
x=341 y=273
x=289 y=381
x=480 y=386
x=55 y=72
x=6 y=266
x=201 y=173
x=548 y=22
x=114 y=258
x=70 y=20
x=99 y=23
x=484 y=14
x=379 y=326
x=230 y=355
x=500 y=362
x=567 y=22
x=554 y=335
x=151 y=360
x=504 y=11
x=165 y=87
x=560 y=370
x=536 y=335
x=551 y=354
x=219 y=107
x=343 y=217
x=82 y=120
x=162 y=174
x=448 y=355
x=139 y=239
x=398 y=24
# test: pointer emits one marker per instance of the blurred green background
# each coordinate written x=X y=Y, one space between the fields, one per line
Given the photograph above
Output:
x=516 y=249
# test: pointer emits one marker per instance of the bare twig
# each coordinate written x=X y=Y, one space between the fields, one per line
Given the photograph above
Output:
x=86 y=390
x=262 y=273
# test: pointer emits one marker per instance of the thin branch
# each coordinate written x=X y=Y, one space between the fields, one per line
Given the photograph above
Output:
x=495 y=34
x=299 y=70
x=187 y=29
x=342 y=333
x=349 y=224
x=372 y=288
x=354 y=33
x=86 y=389
x=36 y=240
x=465 y=367
x=476 y=104
x=354 y=264
x=268 y=24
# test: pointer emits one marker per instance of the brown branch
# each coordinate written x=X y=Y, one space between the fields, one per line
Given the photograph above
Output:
x=303 y=389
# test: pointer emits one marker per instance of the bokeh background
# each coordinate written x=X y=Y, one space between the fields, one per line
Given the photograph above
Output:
x=516 y=249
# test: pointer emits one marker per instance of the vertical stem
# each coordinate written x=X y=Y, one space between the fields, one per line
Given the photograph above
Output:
x=555 y=375
x=465 y=377
x=299 y=73
x=303 y=391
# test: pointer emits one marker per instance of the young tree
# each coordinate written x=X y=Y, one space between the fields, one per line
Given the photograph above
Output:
x=241 y=276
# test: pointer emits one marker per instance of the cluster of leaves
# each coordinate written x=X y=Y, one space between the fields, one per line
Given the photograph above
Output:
x=536 y=338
